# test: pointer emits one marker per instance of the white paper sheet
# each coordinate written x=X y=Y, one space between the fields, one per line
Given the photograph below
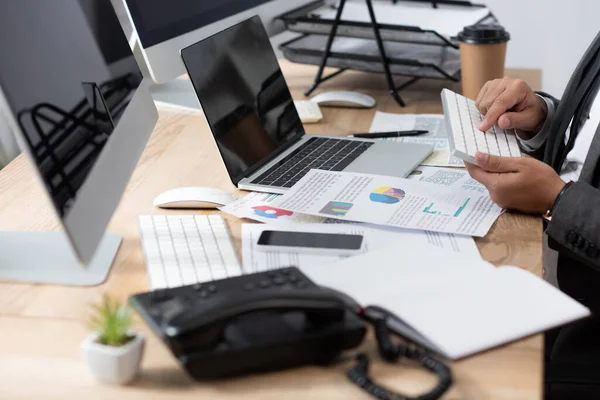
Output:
x=437 y=136
x=254 y=260
x=449 y=177
x=460 y=305
x=257 y=207
x=396 y=202
x=447 y=21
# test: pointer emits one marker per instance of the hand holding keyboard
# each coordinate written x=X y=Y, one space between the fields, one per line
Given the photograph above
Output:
x=462 y=119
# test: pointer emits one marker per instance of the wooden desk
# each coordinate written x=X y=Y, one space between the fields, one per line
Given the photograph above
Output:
x=42 y=326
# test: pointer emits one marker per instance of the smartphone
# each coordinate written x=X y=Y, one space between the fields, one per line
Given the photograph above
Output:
x=310 y=242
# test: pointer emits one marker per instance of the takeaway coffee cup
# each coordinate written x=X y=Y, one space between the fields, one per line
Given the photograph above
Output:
x=482 y=56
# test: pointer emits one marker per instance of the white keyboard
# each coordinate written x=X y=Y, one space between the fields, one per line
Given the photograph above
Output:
x=309 y=111
x=462 y=119
x=187 y=249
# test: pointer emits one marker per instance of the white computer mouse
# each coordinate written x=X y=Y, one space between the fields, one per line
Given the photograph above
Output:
x=193 y=197
x=344 y=98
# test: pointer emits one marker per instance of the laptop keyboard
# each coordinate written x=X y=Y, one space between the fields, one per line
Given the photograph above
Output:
x=317 y=153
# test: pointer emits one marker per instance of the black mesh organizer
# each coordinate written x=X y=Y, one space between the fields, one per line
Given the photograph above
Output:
x=405 y=59
x=394 y=50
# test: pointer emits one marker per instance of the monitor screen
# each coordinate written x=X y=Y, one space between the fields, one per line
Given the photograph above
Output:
x=244 y=96
x=157 y=21
x=67 y=74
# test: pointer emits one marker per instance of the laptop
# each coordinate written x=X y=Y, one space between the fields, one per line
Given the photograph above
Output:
x=255 y=125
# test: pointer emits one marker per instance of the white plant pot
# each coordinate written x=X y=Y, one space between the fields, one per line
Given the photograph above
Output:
x=114 y=365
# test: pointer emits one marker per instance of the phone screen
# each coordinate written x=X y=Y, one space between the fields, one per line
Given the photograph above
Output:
x=311 y=240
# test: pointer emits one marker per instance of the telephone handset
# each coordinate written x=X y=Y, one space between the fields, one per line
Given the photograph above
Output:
x=258 y=322
x=270 y=321
x=204 y=326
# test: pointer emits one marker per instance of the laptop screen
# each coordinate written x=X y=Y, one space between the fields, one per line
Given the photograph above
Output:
x=244 y=96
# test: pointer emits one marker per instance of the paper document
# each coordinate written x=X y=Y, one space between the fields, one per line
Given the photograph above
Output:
x=396 y=202
x=449 y=177
x=447 y=21
x=453 y=305
x=254 y=260
x=257 y=206
x=437 y=136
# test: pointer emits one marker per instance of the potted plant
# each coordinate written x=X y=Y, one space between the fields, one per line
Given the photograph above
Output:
x=114 y=351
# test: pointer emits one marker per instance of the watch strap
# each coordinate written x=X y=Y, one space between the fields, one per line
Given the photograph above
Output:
x=550 y=212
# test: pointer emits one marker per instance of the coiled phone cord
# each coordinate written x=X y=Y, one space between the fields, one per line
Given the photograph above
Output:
x=359 y=374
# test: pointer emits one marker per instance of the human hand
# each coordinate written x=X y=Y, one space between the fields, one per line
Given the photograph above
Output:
x=519 y=183
x=511 y=104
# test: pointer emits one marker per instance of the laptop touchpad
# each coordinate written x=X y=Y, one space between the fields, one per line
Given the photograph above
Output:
x=390 y=159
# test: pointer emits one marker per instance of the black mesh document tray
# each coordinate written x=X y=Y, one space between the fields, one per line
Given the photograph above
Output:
x=405 y=59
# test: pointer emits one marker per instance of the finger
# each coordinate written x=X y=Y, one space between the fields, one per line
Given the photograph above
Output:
x=470 y=167
x=514 y=120
x=490 y=97
x=480 y=175
x=482 y=94
x=503 y=103
x=492 y=163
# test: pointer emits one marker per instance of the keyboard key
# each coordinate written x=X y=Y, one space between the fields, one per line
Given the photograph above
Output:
x=156 y=275
x=463 y=118
x=493 y=146
x=350 y=158
x=317 y=153
x=218 y=273
x=185 y=250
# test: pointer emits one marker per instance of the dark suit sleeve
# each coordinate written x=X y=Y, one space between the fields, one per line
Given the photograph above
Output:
x=575 y=226
x=538 y=150
x=549 y=97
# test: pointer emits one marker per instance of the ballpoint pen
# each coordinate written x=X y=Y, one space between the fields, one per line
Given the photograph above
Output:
x=381 y=135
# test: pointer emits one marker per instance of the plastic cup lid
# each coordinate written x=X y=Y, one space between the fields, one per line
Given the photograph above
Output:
x=484 y=34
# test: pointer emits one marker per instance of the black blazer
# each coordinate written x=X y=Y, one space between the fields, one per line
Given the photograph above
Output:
x=575 y=227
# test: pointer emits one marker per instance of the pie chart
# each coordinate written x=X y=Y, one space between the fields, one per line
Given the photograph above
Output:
x=387 y=195
x=271 y=212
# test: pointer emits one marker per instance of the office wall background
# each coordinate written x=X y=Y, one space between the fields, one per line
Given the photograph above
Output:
x=551 y=35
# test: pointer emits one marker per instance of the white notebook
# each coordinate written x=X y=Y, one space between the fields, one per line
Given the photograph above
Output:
x=451 y=305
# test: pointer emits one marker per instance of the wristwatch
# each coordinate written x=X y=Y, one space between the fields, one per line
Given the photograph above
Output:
x=548 y=215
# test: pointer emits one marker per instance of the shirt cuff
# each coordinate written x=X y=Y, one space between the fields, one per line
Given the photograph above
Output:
x=531 y=145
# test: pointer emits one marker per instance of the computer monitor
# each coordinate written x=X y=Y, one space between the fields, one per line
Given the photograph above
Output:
x=165 y=27
x=82 y=112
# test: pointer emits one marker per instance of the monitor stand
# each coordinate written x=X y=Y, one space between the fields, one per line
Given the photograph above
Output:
x=47 y=257
x=178 y=93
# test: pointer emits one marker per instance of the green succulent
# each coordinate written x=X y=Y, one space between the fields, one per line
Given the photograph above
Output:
x=112 y=320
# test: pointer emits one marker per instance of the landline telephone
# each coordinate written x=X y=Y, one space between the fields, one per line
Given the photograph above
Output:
x=258 y=322
x=270 y=321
